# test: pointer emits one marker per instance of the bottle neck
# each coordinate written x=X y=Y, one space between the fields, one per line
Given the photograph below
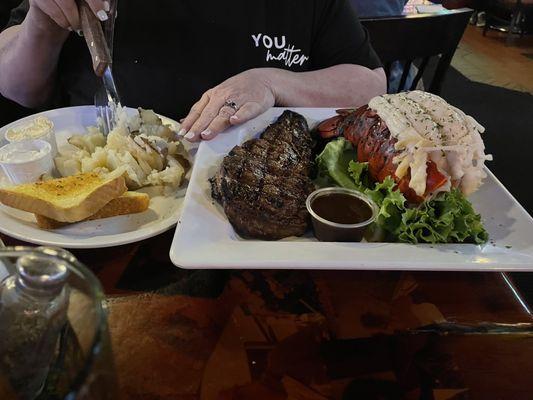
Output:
x=41 y=294
x=41 y=277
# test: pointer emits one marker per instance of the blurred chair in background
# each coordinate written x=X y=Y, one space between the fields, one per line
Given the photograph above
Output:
x=415 y=40
x=513 y=14
x=386 y=8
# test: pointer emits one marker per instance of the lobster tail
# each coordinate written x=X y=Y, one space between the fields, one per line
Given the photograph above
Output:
x=370 y=135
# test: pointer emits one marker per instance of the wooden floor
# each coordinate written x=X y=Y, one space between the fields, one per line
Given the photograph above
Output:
x=488 y=60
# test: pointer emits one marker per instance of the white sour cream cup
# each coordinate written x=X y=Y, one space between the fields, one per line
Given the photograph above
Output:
x=20 y=167
x=39 y=128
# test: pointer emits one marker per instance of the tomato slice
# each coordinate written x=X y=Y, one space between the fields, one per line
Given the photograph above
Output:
x=435 y=179
x=410 y=194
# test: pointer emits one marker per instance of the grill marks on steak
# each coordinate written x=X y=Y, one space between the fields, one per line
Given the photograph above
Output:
x=263 y=184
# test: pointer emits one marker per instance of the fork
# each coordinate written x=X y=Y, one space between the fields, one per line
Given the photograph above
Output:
x=106 y=98
x=106 y=101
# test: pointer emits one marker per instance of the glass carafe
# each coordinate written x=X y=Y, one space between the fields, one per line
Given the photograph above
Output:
x=54 y=340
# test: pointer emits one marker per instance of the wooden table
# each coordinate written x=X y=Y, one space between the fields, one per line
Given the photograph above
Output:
x=181 y=334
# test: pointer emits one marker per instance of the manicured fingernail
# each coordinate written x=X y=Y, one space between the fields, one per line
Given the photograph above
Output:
x=107 y=7
x=181 y=120
x=233 y=118
x=182 y=132
x=69 y=29
x=206 y=134
x=190 y=135
x=102 y=15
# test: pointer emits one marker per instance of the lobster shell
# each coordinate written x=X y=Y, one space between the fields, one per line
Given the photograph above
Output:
x=365 y=129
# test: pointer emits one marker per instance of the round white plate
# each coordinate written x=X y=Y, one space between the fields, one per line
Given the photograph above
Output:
x=162 y=215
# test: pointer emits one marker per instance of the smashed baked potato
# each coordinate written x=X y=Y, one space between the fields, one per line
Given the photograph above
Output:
x=149 y=151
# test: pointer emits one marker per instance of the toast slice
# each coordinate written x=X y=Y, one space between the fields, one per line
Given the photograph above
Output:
x=69 y=199
x=128 y=203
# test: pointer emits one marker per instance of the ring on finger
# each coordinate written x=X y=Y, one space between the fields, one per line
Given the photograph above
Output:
x=231 y=104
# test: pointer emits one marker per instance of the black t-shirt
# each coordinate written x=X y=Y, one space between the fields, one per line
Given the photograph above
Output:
x=168 y=52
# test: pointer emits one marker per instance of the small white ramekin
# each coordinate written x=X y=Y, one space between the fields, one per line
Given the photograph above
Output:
x=20 y=172
x=47 y=135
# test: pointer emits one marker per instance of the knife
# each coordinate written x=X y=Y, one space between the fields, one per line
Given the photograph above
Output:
x=100 y=53
x=94 y=36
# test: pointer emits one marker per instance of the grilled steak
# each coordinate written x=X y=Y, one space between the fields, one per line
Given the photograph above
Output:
x=263 y=184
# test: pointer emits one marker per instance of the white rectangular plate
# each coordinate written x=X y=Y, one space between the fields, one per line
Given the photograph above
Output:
x=205 y=239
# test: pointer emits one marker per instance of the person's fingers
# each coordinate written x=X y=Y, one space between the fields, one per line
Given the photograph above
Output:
x=246 y=112
x=100 y=8
x=70 y=12
x=209 y=113
x=219 y=124
x=50 y=8
x=194 y=114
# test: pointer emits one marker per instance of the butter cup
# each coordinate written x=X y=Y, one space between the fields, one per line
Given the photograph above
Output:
x=19 y=172
x=48 y=135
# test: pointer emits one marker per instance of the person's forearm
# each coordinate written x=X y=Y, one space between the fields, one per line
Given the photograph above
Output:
x=339 y=86
x=28 y=61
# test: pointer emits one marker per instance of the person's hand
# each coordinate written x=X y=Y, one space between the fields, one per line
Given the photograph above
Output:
x=234 y=101
x=52 y=14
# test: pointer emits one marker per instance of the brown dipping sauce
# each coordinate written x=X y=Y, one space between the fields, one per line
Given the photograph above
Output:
x=342 y=208
x=340 y=215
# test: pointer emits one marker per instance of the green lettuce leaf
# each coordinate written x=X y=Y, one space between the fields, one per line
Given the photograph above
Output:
x=332 y=164
x=447 y=218
x=359 y=173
